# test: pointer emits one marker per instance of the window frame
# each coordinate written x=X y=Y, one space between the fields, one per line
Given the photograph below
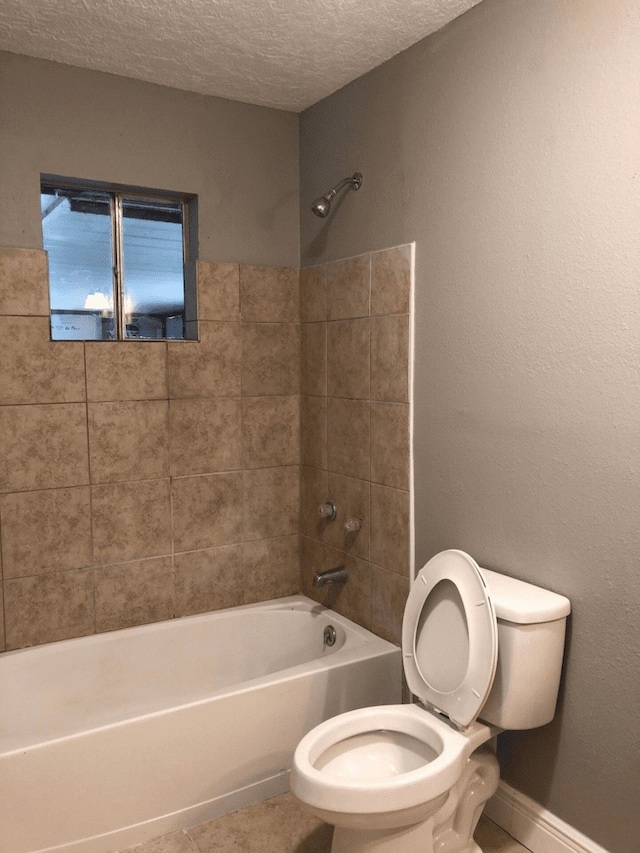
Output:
x=117 y=193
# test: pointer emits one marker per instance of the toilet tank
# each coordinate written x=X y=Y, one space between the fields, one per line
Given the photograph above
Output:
x=531 y=631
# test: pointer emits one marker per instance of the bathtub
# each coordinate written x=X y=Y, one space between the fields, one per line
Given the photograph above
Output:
x=109 y=740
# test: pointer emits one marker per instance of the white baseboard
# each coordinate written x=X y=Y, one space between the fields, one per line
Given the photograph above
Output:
x=533 y=826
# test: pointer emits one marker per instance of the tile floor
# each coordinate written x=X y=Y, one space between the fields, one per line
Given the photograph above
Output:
x=280 y=825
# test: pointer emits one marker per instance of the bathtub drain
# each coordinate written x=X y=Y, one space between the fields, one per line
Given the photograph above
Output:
x=329 y=635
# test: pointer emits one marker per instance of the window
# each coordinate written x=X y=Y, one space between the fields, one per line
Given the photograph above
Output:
x=117 y=261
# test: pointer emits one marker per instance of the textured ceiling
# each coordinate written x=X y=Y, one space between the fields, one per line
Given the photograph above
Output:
x=286 y=54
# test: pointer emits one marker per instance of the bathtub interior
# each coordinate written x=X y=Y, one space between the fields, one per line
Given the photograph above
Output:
x=63 y=688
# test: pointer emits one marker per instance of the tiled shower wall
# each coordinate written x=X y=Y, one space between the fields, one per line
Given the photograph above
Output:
x=143 y=480
x=355 y=433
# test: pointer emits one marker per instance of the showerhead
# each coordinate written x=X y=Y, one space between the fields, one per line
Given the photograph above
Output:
x=322 y=206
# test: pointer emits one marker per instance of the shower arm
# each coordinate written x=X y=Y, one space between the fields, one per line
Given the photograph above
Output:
x=355 y=181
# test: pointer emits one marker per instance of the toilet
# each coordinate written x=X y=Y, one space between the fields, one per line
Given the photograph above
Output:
x=482 y=653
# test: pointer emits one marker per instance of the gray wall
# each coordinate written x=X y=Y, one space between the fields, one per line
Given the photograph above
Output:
x=507 y=147
x=241 y=160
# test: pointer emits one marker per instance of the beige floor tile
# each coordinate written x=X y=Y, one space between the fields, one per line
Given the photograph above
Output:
x=175 y=842
x=493 y=839
x=279 y=824
x=282 y=825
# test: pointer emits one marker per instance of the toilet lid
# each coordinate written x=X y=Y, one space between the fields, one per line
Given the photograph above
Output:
x=450 y=637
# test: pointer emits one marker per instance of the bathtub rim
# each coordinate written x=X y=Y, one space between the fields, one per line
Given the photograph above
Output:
x=297 y=602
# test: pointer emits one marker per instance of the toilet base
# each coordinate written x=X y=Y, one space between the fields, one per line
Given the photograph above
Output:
x=449 y=830
x=456 y=822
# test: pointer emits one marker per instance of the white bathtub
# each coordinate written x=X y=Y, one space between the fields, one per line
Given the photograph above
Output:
x=109 y=740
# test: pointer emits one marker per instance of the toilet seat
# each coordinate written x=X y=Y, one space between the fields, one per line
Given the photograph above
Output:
x=450 y=637
x=429 y=778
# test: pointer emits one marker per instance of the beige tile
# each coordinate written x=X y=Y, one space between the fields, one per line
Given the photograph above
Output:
x=351 y=498
x=133 y=593
x=348 y=432
x=208 y=580
x=493 y=839
x=390 y=358
x=314 y=491
x=45 y=531
x=126 y=370
x=388 y=597
x=206 y=436
x=279 y=824
x=391 y=281
x=209 y=367
x=390 y=529
x=35 y=369
x=313 y=431
x=131 y=521
x=348 y=288
x=24 y=282
x=290 y=829
x=207 y=511
x=129 y=440
x=174 y=842
x=354 y=599
x=271 y=568
x=271 y=502
x=313 y=294
x=43 y=447
x=348 y=359
x=269 y=294
x=46 y=608
x=313 y=358
x=2 y=640
x=270 y=431
x=390 y=444
x=218 y=291
x=270 y=359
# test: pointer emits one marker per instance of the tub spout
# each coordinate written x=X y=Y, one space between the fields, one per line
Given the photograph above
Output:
x=337 y=575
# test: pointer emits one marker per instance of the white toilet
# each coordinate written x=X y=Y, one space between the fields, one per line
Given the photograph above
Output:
x=414 y=778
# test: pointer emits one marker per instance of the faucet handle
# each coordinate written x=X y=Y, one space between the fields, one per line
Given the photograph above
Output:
x=328 y=510
x=352 y=525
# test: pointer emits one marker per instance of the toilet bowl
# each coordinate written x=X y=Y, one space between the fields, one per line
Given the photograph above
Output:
x=414 y=778
x=379 y=765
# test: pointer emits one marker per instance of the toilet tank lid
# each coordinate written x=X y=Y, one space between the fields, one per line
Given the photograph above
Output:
x=524 y=603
